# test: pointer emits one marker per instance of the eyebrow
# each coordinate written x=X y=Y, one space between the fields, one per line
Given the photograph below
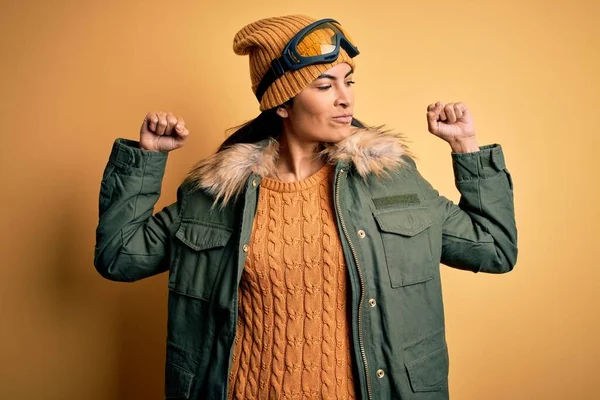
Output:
x=327 y=76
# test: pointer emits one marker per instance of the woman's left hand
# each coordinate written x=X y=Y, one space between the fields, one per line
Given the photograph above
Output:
x=453 y=123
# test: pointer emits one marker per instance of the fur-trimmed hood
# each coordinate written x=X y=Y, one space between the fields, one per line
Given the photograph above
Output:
x=224 y=174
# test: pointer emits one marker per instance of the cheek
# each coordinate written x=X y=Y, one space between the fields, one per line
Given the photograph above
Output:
x=313 y=119
x=313 y=115
x=319 y=123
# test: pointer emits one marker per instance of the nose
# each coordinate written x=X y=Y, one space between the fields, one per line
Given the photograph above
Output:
x=344 y=96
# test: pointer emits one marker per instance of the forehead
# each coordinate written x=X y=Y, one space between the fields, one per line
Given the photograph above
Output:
x=340 y=70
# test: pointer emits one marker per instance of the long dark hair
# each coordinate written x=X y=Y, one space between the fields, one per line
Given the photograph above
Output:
x=267 y=125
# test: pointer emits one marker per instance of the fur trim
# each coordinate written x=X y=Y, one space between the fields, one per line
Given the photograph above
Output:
x=224 y=174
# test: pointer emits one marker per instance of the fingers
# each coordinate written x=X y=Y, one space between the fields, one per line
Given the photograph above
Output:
x=440 y=107
x=450 y=112
x=434 y=115
x=438 y=110
x=164 y=123
x=171 y=122
x=432 y=121
x=455 y=111
x=179 y=125
x=458 y=110
x=461 y=110
x=151 y=120
x=442 y=118
x=181 y=131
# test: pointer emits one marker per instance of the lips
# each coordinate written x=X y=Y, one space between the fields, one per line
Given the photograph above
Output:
x=343 y=119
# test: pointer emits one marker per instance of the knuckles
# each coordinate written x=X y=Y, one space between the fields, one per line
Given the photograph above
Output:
x=163 y=119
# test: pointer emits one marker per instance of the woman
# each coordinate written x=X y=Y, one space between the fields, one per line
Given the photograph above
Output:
x=303 y=256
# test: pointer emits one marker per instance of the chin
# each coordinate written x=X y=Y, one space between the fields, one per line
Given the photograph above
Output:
x=334 y=135
x=340 y=134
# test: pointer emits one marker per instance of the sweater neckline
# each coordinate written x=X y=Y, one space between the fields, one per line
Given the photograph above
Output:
x=306 y=183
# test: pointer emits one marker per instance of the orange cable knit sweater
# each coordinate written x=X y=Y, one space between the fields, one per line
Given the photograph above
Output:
x=293 y=335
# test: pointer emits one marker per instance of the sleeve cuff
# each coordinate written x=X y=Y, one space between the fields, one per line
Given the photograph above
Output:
x=127 y=153
x=486 y=162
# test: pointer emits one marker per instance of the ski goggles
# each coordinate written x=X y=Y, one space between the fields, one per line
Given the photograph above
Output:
x=318 y=43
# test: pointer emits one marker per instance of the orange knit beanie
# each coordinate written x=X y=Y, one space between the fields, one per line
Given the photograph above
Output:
x=264 y=41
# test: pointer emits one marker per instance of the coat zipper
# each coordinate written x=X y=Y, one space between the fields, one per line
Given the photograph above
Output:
x=362 y=285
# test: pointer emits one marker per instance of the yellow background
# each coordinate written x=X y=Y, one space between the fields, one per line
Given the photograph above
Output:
x=76 y=75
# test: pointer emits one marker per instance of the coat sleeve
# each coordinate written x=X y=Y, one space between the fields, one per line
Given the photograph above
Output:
x=131 y=243
x=479 y=234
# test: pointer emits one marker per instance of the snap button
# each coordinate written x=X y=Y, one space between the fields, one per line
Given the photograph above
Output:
x=372 y=302
x=245 y=248
x=361 y=234
x=254 y=183
x=380 y=373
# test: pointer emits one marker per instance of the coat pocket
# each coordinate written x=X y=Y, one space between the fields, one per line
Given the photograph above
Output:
x=430 y=373
x=427 y=364
x=178 y=382
x=179 y=378
x=198 y=254
x=406 y=244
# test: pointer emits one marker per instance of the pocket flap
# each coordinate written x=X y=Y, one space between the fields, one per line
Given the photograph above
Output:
x=429 y=373
x=404 y=222
x=200 y=235
x=178 y=382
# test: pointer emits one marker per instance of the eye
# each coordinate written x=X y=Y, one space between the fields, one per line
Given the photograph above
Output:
x=350 y=83
x=323 y=88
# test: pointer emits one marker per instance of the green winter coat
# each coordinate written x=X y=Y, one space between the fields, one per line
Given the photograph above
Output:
x=395 y=231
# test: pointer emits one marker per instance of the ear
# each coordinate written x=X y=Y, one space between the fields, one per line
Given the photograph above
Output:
x=282 y=111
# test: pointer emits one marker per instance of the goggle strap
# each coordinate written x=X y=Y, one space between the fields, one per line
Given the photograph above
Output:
x=269 y=77
x=277 y=68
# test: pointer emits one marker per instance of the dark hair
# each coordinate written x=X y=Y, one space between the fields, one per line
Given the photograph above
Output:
x=267 y=125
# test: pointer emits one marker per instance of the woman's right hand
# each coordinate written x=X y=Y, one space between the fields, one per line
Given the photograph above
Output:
x=162 y=131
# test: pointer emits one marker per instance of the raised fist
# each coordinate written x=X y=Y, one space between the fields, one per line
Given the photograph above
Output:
x=162 y=131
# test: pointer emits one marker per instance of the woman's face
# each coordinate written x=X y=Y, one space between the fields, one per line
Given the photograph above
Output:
x=322 y=112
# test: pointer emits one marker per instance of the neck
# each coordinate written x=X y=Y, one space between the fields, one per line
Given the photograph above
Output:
x=297 y=159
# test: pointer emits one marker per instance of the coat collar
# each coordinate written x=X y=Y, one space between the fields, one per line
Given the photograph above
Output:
x=224 y=174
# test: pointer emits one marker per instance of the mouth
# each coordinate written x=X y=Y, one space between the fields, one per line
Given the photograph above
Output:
x=343 y=119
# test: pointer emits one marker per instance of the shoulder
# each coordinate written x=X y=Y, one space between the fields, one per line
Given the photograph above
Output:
x=198 y=204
